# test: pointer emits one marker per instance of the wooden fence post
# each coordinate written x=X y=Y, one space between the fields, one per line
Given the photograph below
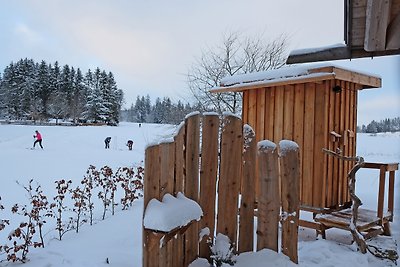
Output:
x=290 y=176
x=192 y=182
x=151 y=190
x=229 y=178
x=268 y=202
x=208 y=178
x=248 y=185
x=179 y=176
x=167 y=162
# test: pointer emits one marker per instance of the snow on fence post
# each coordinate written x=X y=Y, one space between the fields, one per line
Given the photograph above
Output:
x=191 y=184
x=229 y=179
x=248 y=185
x=151 y=190
x=290 y=193
x=208 y=178
x=268 y=202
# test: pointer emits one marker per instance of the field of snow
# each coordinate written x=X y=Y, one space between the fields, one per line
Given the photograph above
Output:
x=68 y=152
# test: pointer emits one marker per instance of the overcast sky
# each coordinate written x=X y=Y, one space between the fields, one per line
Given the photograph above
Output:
x=150 y=45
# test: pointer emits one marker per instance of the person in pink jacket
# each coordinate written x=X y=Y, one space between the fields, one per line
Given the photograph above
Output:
x=38 y=137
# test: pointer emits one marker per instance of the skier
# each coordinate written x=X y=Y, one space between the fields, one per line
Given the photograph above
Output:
x=107 y=142
x=130 y=144
x=38 y=137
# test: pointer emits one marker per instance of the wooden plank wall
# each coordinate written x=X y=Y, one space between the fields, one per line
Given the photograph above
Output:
x=307 y=114
x=173 y=167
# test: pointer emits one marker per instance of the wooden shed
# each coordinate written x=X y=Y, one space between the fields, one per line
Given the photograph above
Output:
x=315 y=106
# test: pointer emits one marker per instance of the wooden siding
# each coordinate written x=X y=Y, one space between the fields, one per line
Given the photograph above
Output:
x=307 y=114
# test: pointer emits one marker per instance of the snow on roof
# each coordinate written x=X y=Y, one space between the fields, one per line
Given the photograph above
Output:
x=315 y=49
x=285 y=74
x=265 y=75
x=171 y=213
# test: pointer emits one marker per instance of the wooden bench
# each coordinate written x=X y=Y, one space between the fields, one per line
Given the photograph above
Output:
x=371 y=223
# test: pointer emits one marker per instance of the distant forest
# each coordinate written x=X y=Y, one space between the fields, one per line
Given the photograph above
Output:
x=163 y=111
x=43 y=91
x=386 y=125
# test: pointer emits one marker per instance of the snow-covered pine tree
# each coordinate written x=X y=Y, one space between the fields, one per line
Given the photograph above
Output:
x=56 y=106
x=43 y=89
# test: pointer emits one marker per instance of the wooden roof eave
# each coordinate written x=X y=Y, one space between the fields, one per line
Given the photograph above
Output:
x=275 y=82
x=316 y=76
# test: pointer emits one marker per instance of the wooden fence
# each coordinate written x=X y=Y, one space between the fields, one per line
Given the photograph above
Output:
x=218 y=164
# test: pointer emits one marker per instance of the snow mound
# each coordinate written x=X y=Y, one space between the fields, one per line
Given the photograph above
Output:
x=286 y=145
x=266 y=145
x=171 y=213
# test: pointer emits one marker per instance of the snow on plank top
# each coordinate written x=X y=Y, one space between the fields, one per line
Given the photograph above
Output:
x=171 y=213
x=298 y=74
x=266 y=145
x=194 y=113
x=286 y=146
x=231 y=114
x=315 y=49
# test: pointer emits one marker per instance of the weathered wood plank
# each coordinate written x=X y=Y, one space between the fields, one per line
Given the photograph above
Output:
x=252 y=114
x=192 y=182
x=381 y=191
x=270 y=108
x=336 y=163
x=151 y=190
x=308 y=150
x=245 y=108
x=151 y=251
x=167 y=168
x=393 y=32
x=378 y=17
x=278 y=116
x=318 y=177
x=342 y=177
x=290 y=173
x=260 y=113
x=229 y=179
x=298 y=129
x=288 y=108
x=331 y=118
x=268 y=204
x=179 y=140
x=346 y=150
x=208 y=178
x=248 y=187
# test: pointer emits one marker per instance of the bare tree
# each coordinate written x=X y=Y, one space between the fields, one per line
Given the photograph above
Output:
x=236 y=55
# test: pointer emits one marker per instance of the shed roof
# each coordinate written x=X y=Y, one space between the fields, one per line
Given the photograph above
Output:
x=295 y=75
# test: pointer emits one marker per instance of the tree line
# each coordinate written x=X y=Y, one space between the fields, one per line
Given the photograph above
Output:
x=162 y=111
x=386 y=125
x=42 y=91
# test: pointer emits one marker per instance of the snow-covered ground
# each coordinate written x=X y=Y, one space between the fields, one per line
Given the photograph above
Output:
x=68 y=152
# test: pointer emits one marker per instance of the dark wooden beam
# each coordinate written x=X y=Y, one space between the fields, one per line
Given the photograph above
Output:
x=337 y=53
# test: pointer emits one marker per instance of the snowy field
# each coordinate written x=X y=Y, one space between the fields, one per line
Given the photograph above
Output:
x=68 y=152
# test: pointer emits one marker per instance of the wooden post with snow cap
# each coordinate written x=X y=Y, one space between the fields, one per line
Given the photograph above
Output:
x=208 y=178
x=229 y=178
x=248 y=185
x=191 y=185
x=290 y=176
x=268 y=202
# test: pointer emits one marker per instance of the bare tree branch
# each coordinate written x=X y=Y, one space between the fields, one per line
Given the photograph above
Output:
x=235 y=55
